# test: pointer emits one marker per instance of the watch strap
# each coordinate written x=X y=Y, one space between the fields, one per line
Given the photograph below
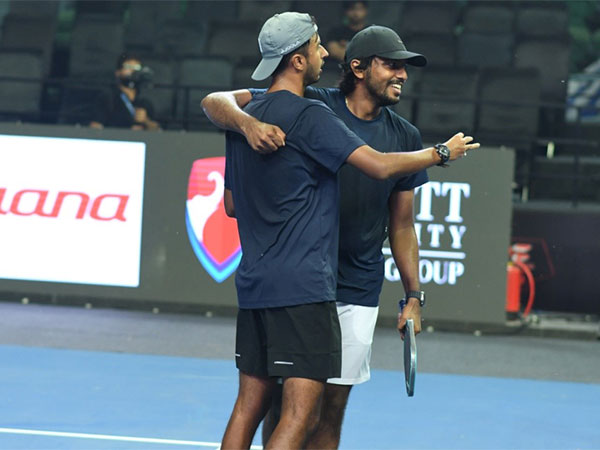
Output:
x=419 y=295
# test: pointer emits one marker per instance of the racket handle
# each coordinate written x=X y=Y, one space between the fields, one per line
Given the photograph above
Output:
x=402 y=304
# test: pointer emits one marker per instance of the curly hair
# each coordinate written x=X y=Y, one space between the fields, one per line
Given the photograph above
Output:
x=348 y=81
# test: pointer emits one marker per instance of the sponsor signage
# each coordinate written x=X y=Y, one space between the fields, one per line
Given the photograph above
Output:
x=71 y=210
x=441 y=254
x=71 y=216
x=462 y=223
x=213 y=235
x=455 y=228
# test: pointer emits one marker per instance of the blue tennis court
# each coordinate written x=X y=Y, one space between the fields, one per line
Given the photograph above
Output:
x=67 y=399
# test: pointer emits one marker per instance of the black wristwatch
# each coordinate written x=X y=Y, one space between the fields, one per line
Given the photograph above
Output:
x=444 y=153
x=419 y=295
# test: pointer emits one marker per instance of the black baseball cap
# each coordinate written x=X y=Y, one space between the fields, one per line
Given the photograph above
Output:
x=381 y=41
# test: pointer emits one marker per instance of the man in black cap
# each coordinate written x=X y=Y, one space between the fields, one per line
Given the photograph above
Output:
x=374 y=72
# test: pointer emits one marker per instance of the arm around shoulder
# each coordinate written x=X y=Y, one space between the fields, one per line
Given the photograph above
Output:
x=224 y=109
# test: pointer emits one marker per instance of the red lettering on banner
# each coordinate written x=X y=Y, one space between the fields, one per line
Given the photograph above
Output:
x=119 y=214
x=14 y=206
x=2 y=192
x=85 y=199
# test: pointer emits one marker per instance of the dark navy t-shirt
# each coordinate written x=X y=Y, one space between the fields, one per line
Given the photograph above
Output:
x=286 y=203
x=364 y=213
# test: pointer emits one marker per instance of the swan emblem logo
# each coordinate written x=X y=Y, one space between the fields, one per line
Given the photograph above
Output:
x=213 y=235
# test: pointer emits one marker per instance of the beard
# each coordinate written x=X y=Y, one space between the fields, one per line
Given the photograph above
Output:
x=379 y=91
x=312 y=75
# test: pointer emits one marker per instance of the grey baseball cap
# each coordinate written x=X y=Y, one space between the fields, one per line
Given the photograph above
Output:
x=381 y=41
x=280 y=35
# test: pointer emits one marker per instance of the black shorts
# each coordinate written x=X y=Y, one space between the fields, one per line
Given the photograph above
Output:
x=295 y=341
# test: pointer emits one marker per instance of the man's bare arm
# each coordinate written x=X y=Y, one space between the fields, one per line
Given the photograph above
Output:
x=382 y=166
x=228 y=201
x=224 y=109
x=405 y=250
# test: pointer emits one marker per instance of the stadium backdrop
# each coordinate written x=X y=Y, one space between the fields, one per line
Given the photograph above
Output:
x=136 y=219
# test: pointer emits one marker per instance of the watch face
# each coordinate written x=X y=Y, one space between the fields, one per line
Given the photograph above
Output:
x=443 y=152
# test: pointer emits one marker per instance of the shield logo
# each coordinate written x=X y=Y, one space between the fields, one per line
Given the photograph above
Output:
x=213 y=235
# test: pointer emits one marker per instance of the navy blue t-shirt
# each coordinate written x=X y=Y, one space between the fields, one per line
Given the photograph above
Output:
x=364 y=213
x=286 y=203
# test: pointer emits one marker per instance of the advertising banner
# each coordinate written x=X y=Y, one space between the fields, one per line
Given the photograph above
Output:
x=71 y=210
x=462 y=221
x=190 y=248
x=213 y=236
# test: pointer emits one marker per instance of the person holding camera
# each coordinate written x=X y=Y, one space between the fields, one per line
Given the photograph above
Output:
x=121 y=106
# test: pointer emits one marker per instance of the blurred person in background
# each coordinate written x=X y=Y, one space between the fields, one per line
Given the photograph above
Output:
x=121 y=107
x=354 y=20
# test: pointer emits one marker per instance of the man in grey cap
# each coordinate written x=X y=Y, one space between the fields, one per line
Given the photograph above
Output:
x=289 y=198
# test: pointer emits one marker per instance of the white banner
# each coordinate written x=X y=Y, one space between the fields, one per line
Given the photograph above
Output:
x=71 y=210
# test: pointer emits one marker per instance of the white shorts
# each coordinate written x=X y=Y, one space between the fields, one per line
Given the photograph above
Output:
x=358 y=325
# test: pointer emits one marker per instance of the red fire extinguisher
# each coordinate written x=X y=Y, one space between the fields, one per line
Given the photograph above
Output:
x=518 y=272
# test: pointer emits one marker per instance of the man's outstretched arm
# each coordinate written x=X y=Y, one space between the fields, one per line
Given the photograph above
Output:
x=382 y=166
x=224 y=109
